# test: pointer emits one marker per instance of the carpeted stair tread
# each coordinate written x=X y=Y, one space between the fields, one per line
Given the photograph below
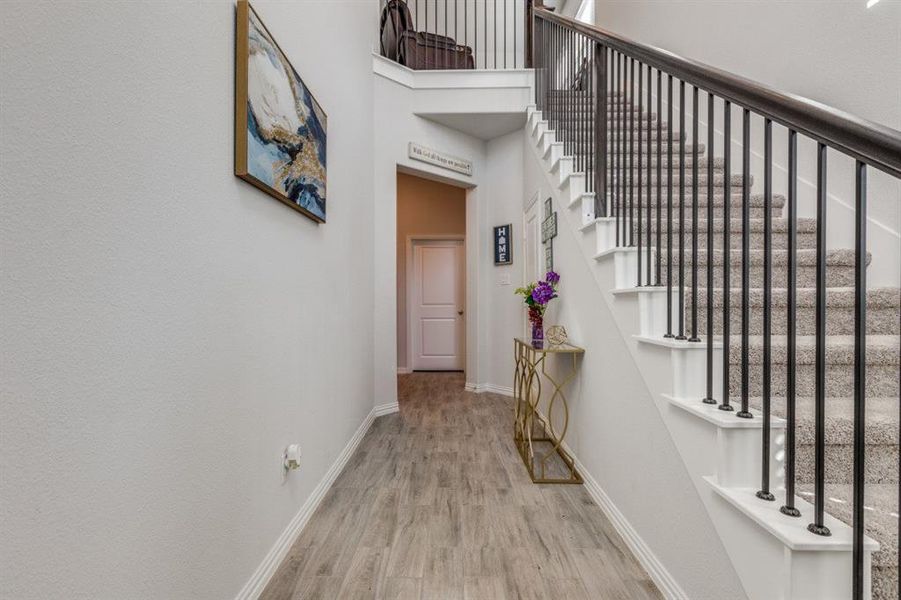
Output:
x=880 y=349
x=882 y=418
x=883 y=306
x=689 y=149
x=804 y=257
x=804 y=225
x=880 y=523
x=836 y=297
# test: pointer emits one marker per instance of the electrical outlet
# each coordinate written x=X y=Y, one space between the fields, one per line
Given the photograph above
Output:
x=291 y=457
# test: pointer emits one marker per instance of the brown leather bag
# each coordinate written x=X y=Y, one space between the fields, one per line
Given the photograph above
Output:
x=396 y=19
x=427 y=51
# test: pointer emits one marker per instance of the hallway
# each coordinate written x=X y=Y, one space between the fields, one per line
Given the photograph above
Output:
x=436 y=504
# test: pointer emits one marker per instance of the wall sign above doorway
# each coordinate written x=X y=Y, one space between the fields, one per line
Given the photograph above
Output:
x=503 y=246
x=433 y=157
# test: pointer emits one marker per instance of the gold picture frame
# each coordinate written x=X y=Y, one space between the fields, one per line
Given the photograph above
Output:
x=284 y=155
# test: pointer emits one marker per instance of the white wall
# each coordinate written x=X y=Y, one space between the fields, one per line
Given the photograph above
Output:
x=839 y=53
x=167 y=329
x=504 y=310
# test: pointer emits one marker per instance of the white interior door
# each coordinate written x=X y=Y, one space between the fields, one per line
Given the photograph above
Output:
x=437 y=305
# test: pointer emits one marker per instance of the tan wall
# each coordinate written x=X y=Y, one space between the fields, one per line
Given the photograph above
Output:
x=424 y=207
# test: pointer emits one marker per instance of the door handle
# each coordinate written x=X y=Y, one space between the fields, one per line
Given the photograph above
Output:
x=460 y=312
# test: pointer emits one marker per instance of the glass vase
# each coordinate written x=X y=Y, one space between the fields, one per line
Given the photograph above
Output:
x=538 y=333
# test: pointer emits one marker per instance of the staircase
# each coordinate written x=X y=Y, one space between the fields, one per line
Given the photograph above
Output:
x=619 y=238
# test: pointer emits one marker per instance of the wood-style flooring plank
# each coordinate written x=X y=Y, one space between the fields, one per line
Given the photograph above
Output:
x=436 y=504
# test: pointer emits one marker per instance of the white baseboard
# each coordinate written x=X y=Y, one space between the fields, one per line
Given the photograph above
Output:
x=663 y=579
x=481 y=388
x=385 y=409
x=404 y=371
x=257 y=583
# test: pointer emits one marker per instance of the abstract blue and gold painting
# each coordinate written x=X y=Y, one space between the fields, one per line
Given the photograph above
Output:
x=280 y=129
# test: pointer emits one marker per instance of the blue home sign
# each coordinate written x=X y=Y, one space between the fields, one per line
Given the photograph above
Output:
x=503 y=248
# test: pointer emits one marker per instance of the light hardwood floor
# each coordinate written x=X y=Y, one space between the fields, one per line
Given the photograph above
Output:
x=436 y=504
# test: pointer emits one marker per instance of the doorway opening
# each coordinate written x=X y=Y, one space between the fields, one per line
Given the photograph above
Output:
x=431 y=275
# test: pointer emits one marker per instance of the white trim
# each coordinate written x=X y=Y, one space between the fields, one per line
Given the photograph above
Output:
x=385 y=409
x=654 y=567
x=482 y=388
x=404 y=370
x=662 y=578
x=260 y=578
x=439 y=79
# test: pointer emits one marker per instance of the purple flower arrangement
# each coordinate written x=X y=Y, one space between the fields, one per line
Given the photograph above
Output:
x=536 y=296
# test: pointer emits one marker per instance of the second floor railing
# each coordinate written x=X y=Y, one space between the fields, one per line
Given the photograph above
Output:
x=631 y=116
x=456 y=34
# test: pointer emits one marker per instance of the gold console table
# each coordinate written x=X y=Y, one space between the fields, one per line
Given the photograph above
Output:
x=532 y=427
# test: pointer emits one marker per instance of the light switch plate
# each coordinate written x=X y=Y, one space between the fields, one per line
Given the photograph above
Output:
x=504 y=279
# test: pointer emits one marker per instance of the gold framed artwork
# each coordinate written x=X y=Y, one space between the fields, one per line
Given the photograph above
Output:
x=280 y=128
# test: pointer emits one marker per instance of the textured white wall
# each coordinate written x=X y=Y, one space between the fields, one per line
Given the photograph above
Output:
x=504 y=185
x=838 y=52
x=167 y=329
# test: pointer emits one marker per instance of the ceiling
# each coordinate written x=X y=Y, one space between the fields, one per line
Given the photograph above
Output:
x=484 y=126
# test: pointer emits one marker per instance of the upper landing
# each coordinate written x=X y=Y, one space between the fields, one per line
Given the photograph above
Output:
x=483 y=103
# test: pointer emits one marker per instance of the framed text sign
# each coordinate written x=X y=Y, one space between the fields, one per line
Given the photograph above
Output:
x=503 y=247
x=433 y=157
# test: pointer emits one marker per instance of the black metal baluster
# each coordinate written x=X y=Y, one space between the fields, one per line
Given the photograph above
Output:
x=745 y=413
x=553 y=53
x=425 y=63
x=657 y=276
x=694 y=217
x=588 y=116
x=819 y=445
x=600 y=133
x=648 y=224
x=639 y=172
x=727 y=252
x=708 y=399
x=631 y=139
x=571 y=98
x=860 y=374
x=621 y=145
x=475 y=36
x=514 y=38
x=567 y=113
x=669 y=207
x=764 y=492
x=587 y=159
x=681 y=335
x=791 y=328
x=617 y=140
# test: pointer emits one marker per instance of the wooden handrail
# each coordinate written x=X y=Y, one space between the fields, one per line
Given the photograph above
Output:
x=875 y=144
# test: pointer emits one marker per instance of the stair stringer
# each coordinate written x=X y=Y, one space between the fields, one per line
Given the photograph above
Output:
x=773 y=555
